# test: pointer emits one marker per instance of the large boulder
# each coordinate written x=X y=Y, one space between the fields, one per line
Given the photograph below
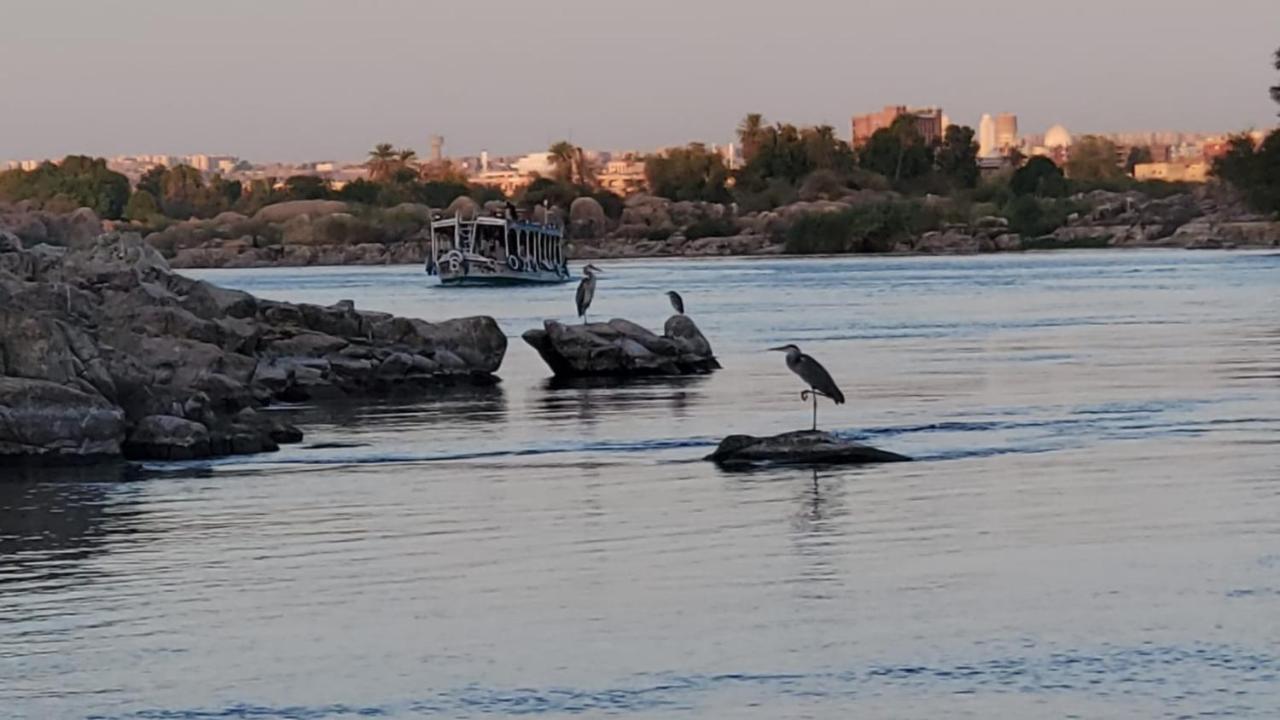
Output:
x=621 y=348
x=105 y=351
x=47 y=422
x=282 y=212
x=802 y=447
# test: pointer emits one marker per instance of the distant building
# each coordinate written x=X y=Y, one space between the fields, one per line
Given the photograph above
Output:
x=624 y=176
x=1057 y=137
x=1006 y=132
x=509 y=182
x=535 y=164
x=928 y=122
x=437 y=148
x=987 y=137
x=1196 y=172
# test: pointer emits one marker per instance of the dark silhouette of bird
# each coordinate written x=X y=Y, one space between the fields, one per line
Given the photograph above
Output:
x=814 y=375
x=677 y=302
x=587 y=290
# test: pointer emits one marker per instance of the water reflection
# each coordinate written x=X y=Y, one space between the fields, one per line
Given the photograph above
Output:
x=587 y=400
x=454 y=406
x=53 y=520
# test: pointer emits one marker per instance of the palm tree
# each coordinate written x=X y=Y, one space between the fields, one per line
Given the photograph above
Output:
x=406 y=156
x=563 y=155
x=750 y=131
x=382 y=161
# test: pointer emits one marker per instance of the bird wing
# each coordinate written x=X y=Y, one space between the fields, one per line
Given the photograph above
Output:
x=581 y=299
x=812 y=372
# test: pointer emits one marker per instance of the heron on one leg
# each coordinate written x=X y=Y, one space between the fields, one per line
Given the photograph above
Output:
x=587 y=290
x=814 y=375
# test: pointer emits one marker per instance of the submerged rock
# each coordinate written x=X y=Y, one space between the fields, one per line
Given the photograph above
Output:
x=621 y=348
x=105 y=352
x=801 y=447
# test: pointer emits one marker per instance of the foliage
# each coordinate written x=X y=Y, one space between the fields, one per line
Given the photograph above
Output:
x=776 y=193
x=1093 y=159
x=1138 y=155
x=77 y=181
x=610 y=202
x=1040 y=177
x=1254 y=171
x=142 y=207
x=822 y=185
x=688 y=173
x=711 y=227
x=957 y=157
x=790 y=153
x=551 y=192
x=750 y=135
x=1034 y=217
x=1275 y=89
x=897 y=152
x=872 y=227
x=306 y=187
x=360 y=191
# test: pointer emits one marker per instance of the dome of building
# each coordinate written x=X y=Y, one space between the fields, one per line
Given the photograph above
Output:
x=1057 y=137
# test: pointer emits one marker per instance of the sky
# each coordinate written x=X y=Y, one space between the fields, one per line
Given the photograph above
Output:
x=300 y=80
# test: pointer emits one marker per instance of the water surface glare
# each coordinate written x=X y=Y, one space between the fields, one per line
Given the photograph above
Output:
x=1092 y=529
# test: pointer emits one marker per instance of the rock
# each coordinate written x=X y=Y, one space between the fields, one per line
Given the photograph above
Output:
x=620 y=348
x=166 y=437
x=46 y=422
x=801 y=447
x=105 y=351
x=282 y=212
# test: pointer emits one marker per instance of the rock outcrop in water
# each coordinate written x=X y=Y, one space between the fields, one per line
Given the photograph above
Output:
x=621 y=348
x=105 y=352
x=801 y=447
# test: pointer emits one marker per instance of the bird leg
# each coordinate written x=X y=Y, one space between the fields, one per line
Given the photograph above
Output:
x=813 y=393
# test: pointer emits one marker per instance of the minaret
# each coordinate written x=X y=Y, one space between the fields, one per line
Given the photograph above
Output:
x=437 y=148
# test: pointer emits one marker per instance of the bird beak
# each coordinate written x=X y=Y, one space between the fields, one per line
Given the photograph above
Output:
x=780 y=349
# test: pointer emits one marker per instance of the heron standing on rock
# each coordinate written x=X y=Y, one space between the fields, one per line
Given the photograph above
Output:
x=816 y=376
x=677 y=302
x=587 y=290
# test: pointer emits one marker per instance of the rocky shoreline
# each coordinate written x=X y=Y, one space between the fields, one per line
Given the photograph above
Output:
x=107 y=353
x=326 y=232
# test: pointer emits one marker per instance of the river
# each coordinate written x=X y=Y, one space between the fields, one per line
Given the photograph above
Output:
x=1092 y=529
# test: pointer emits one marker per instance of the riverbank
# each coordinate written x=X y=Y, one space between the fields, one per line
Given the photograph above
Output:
x=322 y=232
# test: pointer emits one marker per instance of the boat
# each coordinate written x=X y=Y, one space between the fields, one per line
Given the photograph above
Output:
x=498 y=249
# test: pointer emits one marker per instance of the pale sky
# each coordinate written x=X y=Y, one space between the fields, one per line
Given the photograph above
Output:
x=326 y=79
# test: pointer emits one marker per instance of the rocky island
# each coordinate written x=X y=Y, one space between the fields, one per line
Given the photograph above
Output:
x=621 y=348
x=107 y=353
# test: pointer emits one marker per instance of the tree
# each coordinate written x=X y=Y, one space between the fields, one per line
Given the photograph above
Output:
x=360 y=191
x=1093 y=159
x=77 y=181
x=381 y=162
x=789 y=153
x=1254 y=171
x=1138 y=155
x=688 y=173
x=563 y=158
x=142 y=207
x=1040 y=176
x=306 y=187
x=898 y=152
x=957 y=158
x=750 y=135
x=1275 y=89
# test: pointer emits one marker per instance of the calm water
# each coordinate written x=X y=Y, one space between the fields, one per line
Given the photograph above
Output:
x=1093 y=529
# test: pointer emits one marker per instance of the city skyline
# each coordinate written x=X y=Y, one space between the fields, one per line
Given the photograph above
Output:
x=326 y=81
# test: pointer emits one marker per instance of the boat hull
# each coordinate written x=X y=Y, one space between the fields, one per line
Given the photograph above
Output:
x=545 y=278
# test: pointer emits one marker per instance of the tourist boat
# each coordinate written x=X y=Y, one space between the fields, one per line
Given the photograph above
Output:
x=498 y=249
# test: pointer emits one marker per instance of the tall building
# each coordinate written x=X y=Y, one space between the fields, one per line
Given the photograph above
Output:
x=1006 y=132
x=987 y=137
x=437 y=148
x=928 y=121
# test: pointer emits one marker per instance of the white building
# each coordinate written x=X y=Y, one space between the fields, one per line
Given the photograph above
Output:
x=987 y=137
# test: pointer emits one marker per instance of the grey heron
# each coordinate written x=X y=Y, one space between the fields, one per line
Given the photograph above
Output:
x=814 y=375
x=677 y=302
x=587 y=290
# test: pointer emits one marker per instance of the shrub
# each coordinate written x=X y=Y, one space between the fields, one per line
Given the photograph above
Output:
x=866 y=228
x=711 y=227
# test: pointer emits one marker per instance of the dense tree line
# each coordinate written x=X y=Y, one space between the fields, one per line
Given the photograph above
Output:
x=78 y=181
x=1254 y=168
